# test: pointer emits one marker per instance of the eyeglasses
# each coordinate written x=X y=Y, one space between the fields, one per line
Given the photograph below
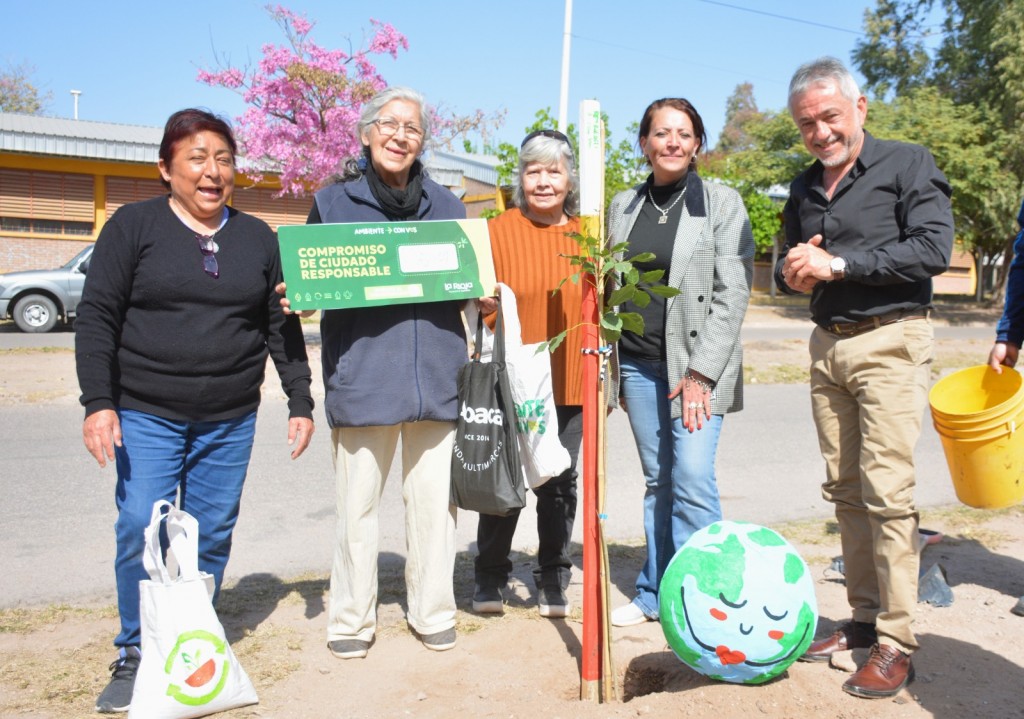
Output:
x=388 y=128
x=553 y=134
x=209 y=249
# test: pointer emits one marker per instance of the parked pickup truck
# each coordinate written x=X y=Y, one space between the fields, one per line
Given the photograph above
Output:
x=37 y=299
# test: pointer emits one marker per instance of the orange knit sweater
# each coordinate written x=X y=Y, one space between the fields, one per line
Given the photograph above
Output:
x=526 y=258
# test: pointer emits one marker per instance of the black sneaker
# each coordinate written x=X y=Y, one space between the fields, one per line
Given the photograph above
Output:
x=488 y=600
x=553 y=603
x=117 y=696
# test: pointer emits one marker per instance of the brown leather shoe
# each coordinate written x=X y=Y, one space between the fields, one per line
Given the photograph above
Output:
x=851 y=635
x=885 y=672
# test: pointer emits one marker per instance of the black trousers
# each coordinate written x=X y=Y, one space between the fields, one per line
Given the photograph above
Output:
x=556 y=512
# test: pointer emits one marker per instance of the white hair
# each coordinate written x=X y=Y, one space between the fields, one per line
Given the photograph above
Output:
x=549 y=151
x=821 y=70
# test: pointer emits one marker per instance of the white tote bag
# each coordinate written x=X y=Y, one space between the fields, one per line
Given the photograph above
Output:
x=541 y=454
x=187 y=667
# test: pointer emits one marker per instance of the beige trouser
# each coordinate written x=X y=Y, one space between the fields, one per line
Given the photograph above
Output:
x=362 y=460
x=868 y=394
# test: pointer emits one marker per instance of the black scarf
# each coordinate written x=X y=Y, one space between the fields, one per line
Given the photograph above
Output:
x=397 y=204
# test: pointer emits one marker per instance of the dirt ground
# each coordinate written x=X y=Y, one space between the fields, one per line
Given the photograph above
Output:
x=520 y=665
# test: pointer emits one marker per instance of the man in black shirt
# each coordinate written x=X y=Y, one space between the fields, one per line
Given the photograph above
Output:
x=867 y=227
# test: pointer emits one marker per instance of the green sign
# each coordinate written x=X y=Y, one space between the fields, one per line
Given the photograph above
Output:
x=363 y=264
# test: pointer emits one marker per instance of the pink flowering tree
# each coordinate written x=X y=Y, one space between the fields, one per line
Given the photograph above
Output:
x=304 y=102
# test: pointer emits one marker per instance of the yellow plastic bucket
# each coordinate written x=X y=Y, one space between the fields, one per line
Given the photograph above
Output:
x=978 y=415
x=973 y=430
x=976 y=394
x=973 y=435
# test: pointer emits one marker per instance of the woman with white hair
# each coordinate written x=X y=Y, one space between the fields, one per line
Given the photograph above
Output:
x=529 y=244
x=389 y=373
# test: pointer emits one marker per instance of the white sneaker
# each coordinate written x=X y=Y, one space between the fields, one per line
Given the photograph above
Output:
x=629 y=615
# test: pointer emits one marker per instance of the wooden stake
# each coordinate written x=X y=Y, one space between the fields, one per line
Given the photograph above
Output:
x=592 y=650
x=596 y=659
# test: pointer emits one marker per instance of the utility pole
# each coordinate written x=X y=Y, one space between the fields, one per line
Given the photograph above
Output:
x=563 y=100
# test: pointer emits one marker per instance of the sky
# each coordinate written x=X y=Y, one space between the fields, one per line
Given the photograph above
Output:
x=136 y=62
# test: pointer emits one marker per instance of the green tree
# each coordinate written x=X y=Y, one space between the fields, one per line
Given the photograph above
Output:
x=978 y=67
x=892 y=56
x=984 y=191
x=19 y=94
x=623 y=166
x=741 y=114
x=765 y=217
x=978 y=61
x=756 y=151
x=981 y=57
x=775 y=154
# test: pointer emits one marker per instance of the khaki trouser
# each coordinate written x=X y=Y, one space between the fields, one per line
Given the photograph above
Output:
x=362 y=460
x=868 y=394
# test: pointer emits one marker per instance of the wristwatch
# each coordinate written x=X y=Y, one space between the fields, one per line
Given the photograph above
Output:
x=838 y=267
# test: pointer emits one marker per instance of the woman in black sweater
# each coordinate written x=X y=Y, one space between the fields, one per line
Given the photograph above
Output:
x=176 y=321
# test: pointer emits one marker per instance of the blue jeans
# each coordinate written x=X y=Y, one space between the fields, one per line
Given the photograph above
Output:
x=207 y=462
x=679 y=470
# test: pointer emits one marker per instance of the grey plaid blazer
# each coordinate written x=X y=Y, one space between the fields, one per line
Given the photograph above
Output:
x=713 y=267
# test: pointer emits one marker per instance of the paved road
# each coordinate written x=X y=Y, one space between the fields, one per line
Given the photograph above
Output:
x=56 y=536
x=797 y=330
x=11 y=338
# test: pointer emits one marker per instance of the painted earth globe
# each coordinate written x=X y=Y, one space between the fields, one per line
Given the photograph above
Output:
x=737 y=603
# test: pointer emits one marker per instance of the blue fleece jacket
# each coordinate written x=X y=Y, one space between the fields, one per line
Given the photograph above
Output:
x=387 y=365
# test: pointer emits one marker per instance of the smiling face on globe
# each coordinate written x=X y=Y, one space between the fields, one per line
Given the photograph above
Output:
x=737 y=603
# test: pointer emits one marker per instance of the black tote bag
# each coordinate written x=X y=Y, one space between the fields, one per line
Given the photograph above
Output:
x=486 y=476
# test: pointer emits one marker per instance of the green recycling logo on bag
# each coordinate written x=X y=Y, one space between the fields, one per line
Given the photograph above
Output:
x=197 y=668
x=531 y=416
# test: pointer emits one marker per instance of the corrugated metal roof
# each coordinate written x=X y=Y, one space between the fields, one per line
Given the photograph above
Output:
x=447 y=176
x=39 y=135
x=482 y=168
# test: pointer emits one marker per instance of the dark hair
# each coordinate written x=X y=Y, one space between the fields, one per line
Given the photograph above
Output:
x=189 y=123
x=677 y=103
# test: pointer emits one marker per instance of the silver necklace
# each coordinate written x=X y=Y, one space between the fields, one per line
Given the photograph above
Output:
x=664 y=213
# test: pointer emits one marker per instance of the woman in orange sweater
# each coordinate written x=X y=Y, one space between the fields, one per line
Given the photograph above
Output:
x=528 y=243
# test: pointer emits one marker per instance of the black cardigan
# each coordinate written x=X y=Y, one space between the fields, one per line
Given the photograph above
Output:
x=156 y=333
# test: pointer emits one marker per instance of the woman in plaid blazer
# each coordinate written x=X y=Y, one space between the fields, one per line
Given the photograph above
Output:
x=685 y=372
